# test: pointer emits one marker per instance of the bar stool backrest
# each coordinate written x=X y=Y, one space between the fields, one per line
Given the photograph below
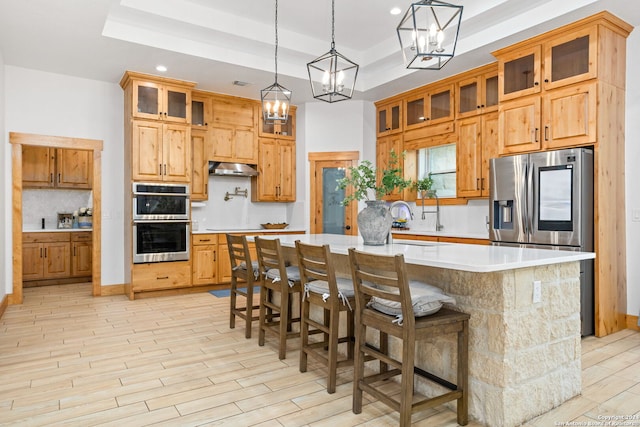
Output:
x=270 y=257
x=239 y=254
x=381 y=276
x=314 y=262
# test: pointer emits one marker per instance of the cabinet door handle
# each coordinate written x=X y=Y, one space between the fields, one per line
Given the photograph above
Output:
x=74 y=251
x=59 y=178
x=162 y=278
x=214 y=256
x=206 y=188
x=160 y=169
x=477 y=183
x=482 y=183
x=40 y=252
x=165 y=168
x=51 y=177
x=45 y=252
x=546 y=133
x=535 y=135
x=205 y=240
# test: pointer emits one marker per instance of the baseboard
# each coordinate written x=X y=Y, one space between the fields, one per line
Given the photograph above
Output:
x=632 y=322
x=3 y=305
x=109 y=290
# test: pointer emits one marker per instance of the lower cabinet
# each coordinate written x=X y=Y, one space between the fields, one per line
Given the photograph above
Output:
x=204 y=258
x=158 y=276
x=444 y=239
x=56 y=255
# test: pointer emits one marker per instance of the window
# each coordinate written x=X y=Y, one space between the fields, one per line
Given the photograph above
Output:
x=440 y=161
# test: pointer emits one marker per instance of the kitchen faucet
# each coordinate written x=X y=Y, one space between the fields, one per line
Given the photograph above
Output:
x=439 y=226
x=401 y=203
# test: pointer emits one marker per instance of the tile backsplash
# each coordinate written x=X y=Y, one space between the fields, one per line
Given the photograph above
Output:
x=38 y=204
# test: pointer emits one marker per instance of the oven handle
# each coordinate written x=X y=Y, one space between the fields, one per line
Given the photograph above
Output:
x=156 y=221
x=162 y=194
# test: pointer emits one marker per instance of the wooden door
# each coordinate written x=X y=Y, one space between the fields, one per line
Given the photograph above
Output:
x=81 y=259
x=37 y=166
x=32 y=261
x=176 y=104
x=327 y=213
x=469 y=157
x=245 y=145
x=490 y=149
x=57 y=262
x=176 y=153
x=146 y=151
x=147 y=100
x=74 y=168
x=269 y=175
x=519 y=125
x=440 y=108
x=200 y=172
x=571 y=58
x=287 y=169
x=570 y=116
x=519 y=73
x=204 y=264
x=222 y=143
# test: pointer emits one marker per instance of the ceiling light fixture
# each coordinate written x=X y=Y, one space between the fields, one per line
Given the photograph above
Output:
x=332 y=75
x=161 y=68
x=275 y=98
x=428 y=34
x=395 y=11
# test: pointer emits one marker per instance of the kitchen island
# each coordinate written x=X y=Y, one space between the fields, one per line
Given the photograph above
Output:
x=524 y=356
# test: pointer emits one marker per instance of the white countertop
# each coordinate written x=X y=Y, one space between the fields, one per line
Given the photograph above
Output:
x=455 y=256
x=246 y=230
x=55 y=230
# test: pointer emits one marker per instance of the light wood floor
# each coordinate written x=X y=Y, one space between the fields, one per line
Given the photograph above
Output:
x=69 y=358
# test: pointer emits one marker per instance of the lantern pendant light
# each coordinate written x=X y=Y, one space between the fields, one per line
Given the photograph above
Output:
x=332 y=75
x=275 y=98
x=428 y=34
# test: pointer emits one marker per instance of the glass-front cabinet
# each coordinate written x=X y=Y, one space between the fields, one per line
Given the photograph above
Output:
x=520 y=73
x=389 y=118
x=157 y=101
x=570 y=58
x=477 y=95
x=279 y=129
x=201 y=114
x=430 y=107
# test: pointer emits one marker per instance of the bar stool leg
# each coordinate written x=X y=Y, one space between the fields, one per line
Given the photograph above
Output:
x=463 y=374
x=285 y=324
x=304 y=334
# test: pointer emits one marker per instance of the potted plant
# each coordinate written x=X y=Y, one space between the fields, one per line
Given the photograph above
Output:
x=374 y=221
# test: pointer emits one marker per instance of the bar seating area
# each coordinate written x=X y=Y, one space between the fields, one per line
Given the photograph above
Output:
x=378 y=314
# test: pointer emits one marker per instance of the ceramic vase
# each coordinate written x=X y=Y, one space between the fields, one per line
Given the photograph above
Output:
x=374 y=222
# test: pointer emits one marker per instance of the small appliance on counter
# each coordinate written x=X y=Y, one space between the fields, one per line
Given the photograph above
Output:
x=65 y=220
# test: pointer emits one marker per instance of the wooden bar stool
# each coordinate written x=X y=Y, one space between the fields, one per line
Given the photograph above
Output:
x=334 y=295
x=381 y=286
x=245 y=272
x=276 y=316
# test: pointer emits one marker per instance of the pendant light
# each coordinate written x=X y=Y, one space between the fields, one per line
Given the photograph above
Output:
x=428 y=34
x=332 y=75
x=275 y=98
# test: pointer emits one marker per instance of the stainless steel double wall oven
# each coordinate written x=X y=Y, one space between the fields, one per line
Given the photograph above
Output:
x=161 y=221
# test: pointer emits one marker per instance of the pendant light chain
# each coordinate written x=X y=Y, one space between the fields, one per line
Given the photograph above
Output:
x=276 y=55
x=333 y=24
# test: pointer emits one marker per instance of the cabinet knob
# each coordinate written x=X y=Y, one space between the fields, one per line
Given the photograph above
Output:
x=536 y=83
x=477 y=106
x=546 y=80
x=347 y=227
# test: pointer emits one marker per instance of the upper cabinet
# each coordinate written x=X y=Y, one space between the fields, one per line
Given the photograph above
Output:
x=276 y=180
x=233 y=129
x=279 y=129
x=158 y=100
x=431 y=107
x=477 y=93
x=389 y=118
x=554 y=88
x=201 y=115
x=44 y=167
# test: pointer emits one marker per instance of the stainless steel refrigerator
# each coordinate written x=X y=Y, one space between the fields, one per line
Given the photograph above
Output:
x=545 y=200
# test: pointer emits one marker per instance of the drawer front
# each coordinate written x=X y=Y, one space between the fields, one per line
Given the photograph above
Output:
x=204 y=239
x=161 y=275
x=45 y=237
x=83 y=236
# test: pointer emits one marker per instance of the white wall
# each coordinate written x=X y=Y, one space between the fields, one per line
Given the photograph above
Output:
x=53 y=104
x=632 y=171
x=5 y=196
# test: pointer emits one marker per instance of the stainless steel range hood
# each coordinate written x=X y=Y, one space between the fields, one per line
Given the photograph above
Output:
x=232 y=169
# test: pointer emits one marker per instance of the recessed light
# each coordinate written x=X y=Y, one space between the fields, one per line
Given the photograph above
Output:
x=240 y=83
x=395 y=11
x=161 y=68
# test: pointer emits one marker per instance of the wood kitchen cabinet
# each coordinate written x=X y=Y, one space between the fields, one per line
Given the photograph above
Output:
x=443 y=239
x=204 y=248
x=279 y=128
x=160 y=276
x=389 y=117
x=433 y=105
x=44 y=167
x=81 y=254
x=200 y=165
x=201 y=110
x=384 y=146
x=234 y=136
x=477 y=144
x=158 y=100
x=160 y=152
x=276 y=180
x=477 y=93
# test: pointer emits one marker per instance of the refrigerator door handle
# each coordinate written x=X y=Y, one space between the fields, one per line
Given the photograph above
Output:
x=530 y=195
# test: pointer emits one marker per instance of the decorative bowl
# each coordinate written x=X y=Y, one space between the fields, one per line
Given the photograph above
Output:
x=278 y=226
